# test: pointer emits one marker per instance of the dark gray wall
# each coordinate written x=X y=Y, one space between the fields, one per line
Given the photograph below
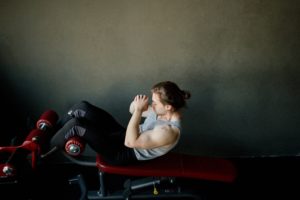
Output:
x=240 y=60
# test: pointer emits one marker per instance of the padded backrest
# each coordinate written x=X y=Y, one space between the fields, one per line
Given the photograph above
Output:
x=176 y=165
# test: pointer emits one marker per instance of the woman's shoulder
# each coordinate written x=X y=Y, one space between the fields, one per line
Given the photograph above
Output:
x=167 y=127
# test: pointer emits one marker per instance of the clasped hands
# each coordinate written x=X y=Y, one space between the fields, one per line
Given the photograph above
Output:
x=141 y=103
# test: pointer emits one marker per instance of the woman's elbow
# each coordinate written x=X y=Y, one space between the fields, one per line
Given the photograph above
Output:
x=128 y=144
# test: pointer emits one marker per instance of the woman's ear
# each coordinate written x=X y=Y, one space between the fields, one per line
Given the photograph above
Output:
x=168 y=107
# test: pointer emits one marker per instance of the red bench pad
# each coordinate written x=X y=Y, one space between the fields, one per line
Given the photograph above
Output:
x=176 y=165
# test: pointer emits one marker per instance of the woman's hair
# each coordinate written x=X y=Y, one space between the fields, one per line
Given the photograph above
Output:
x=171 y=94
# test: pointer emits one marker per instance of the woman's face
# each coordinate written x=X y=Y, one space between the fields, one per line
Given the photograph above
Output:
x=158 y=107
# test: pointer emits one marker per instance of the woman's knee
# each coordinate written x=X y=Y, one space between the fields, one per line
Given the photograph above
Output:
x=80 y=109
x=84 y=105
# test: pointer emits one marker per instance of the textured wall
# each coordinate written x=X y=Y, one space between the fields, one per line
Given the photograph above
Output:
x=240 y=60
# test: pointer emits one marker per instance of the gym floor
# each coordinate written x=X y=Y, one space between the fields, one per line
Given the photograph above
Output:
x=274 y=177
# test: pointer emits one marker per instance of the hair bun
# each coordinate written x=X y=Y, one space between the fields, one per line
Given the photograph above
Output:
x=186 y=94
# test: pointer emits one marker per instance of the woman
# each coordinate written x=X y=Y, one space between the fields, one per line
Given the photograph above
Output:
x=156 y=136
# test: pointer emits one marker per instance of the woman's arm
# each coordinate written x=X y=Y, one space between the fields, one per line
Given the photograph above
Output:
x=159 y=136
x=140 y=105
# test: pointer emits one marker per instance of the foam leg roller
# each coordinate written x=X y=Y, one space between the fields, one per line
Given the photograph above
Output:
x=47 y=120
x=74 y=146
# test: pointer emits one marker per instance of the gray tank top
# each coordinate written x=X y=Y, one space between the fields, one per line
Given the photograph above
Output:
x=150 y=122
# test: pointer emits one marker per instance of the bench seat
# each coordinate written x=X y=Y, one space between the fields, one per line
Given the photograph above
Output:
x=176 y=165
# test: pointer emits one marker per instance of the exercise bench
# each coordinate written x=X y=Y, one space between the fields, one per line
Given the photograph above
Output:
x=164 y=171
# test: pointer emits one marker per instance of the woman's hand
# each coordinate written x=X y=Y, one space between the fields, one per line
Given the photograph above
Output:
x=141 y=103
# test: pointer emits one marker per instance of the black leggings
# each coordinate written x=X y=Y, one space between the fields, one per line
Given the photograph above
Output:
x=99 y=129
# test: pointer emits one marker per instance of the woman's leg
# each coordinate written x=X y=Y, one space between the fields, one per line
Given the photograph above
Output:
x=73 y=127
x=95 y=115
x=111 y=148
